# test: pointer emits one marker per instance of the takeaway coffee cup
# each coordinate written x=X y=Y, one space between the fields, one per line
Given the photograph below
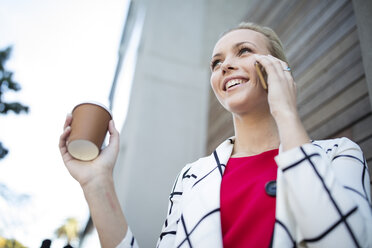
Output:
x=88 y=130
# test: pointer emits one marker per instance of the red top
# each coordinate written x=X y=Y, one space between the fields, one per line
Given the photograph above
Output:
x=247 y=211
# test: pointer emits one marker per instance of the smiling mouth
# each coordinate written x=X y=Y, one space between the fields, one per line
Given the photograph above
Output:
x=234 y=82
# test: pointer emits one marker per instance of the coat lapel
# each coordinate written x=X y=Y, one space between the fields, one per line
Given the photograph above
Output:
x=200 y=218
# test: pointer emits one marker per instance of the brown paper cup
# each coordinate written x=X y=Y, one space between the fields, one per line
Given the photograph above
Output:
x=88 y=130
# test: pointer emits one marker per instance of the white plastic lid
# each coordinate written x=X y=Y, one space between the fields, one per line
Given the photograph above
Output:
x=95 y=103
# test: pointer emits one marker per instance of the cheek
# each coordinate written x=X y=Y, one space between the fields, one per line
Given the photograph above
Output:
x=214 y=82
x=248 y=63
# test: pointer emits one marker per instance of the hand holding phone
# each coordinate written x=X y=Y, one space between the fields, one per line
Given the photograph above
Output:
x=259 y=70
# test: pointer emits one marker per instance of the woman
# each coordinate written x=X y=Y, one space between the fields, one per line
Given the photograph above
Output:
x=315 y=193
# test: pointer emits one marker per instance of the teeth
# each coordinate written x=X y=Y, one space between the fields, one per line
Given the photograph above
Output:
x=234 y=82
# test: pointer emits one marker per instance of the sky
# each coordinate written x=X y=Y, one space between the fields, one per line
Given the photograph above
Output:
x=64 y=52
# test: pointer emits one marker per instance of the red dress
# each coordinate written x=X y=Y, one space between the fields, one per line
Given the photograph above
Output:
x=247 y=211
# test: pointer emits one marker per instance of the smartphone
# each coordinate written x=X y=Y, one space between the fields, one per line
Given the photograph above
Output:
x=261 y=74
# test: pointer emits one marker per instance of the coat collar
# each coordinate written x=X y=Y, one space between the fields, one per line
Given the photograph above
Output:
x=201 y=208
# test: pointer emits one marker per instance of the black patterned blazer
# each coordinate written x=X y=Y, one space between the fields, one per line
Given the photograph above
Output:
x=323 y=199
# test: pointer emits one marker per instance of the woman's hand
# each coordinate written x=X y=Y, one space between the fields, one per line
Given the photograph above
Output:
x=281 y=87
x=100 y=168
x=283 y=102
x=95 y=177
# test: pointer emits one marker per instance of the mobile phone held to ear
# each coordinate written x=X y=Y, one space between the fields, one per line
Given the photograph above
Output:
x=261 y=74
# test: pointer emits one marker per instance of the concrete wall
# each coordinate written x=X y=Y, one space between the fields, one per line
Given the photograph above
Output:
x=167 y=118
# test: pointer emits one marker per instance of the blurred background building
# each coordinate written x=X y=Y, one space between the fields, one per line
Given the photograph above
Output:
x=173 y=117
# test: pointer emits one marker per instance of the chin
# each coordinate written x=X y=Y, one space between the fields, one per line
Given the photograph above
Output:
x=245 y=105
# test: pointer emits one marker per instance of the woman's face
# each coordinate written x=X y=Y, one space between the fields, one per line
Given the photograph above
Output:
x=234 y=79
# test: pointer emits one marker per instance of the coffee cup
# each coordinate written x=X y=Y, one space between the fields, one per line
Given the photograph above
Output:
x=89 y=127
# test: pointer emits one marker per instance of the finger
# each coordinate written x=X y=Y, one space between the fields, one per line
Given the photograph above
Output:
x=63 y=139
x=270 y=65
x=63 y=145
x=287 y=73
x=67 y=121
x=283 y=64
x=289 y=78
x=111 y=151
x=114 y=139
x=283 y=70
x=280 y=66
x=114 y=135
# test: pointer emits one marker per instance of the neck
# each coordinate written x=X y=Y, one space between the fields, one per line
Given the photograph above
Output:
x=254 y=134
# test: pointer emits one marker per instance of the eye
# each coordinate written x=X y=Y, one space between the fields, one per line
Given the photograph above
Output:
x=215 y=63
x=244 y=50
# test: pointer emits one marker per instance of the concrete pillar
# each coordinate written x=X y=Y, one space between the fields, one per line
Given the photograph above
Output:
x=168 y=112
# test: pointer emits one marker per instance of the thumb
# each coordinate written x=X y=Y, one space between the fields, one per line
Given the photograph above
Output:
x=114 y=140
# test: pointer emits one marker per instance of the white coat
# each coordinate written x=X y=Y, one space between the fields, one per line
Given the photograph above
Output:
x=323 y=199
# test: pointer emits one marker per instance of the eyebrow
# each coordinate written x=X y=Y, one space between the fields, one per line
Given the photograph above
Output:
x=236 y=45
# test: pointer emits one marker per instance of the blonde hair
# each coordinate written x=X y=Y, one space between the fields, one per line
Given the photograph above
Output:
x=274 y=45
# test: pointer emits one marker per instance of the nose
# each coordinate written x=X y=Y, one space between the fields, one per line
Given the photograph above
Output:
x=227 y=66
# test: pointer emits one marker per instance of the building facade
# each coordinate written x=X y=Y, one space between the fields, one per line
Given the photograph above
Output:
x=173 y=117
